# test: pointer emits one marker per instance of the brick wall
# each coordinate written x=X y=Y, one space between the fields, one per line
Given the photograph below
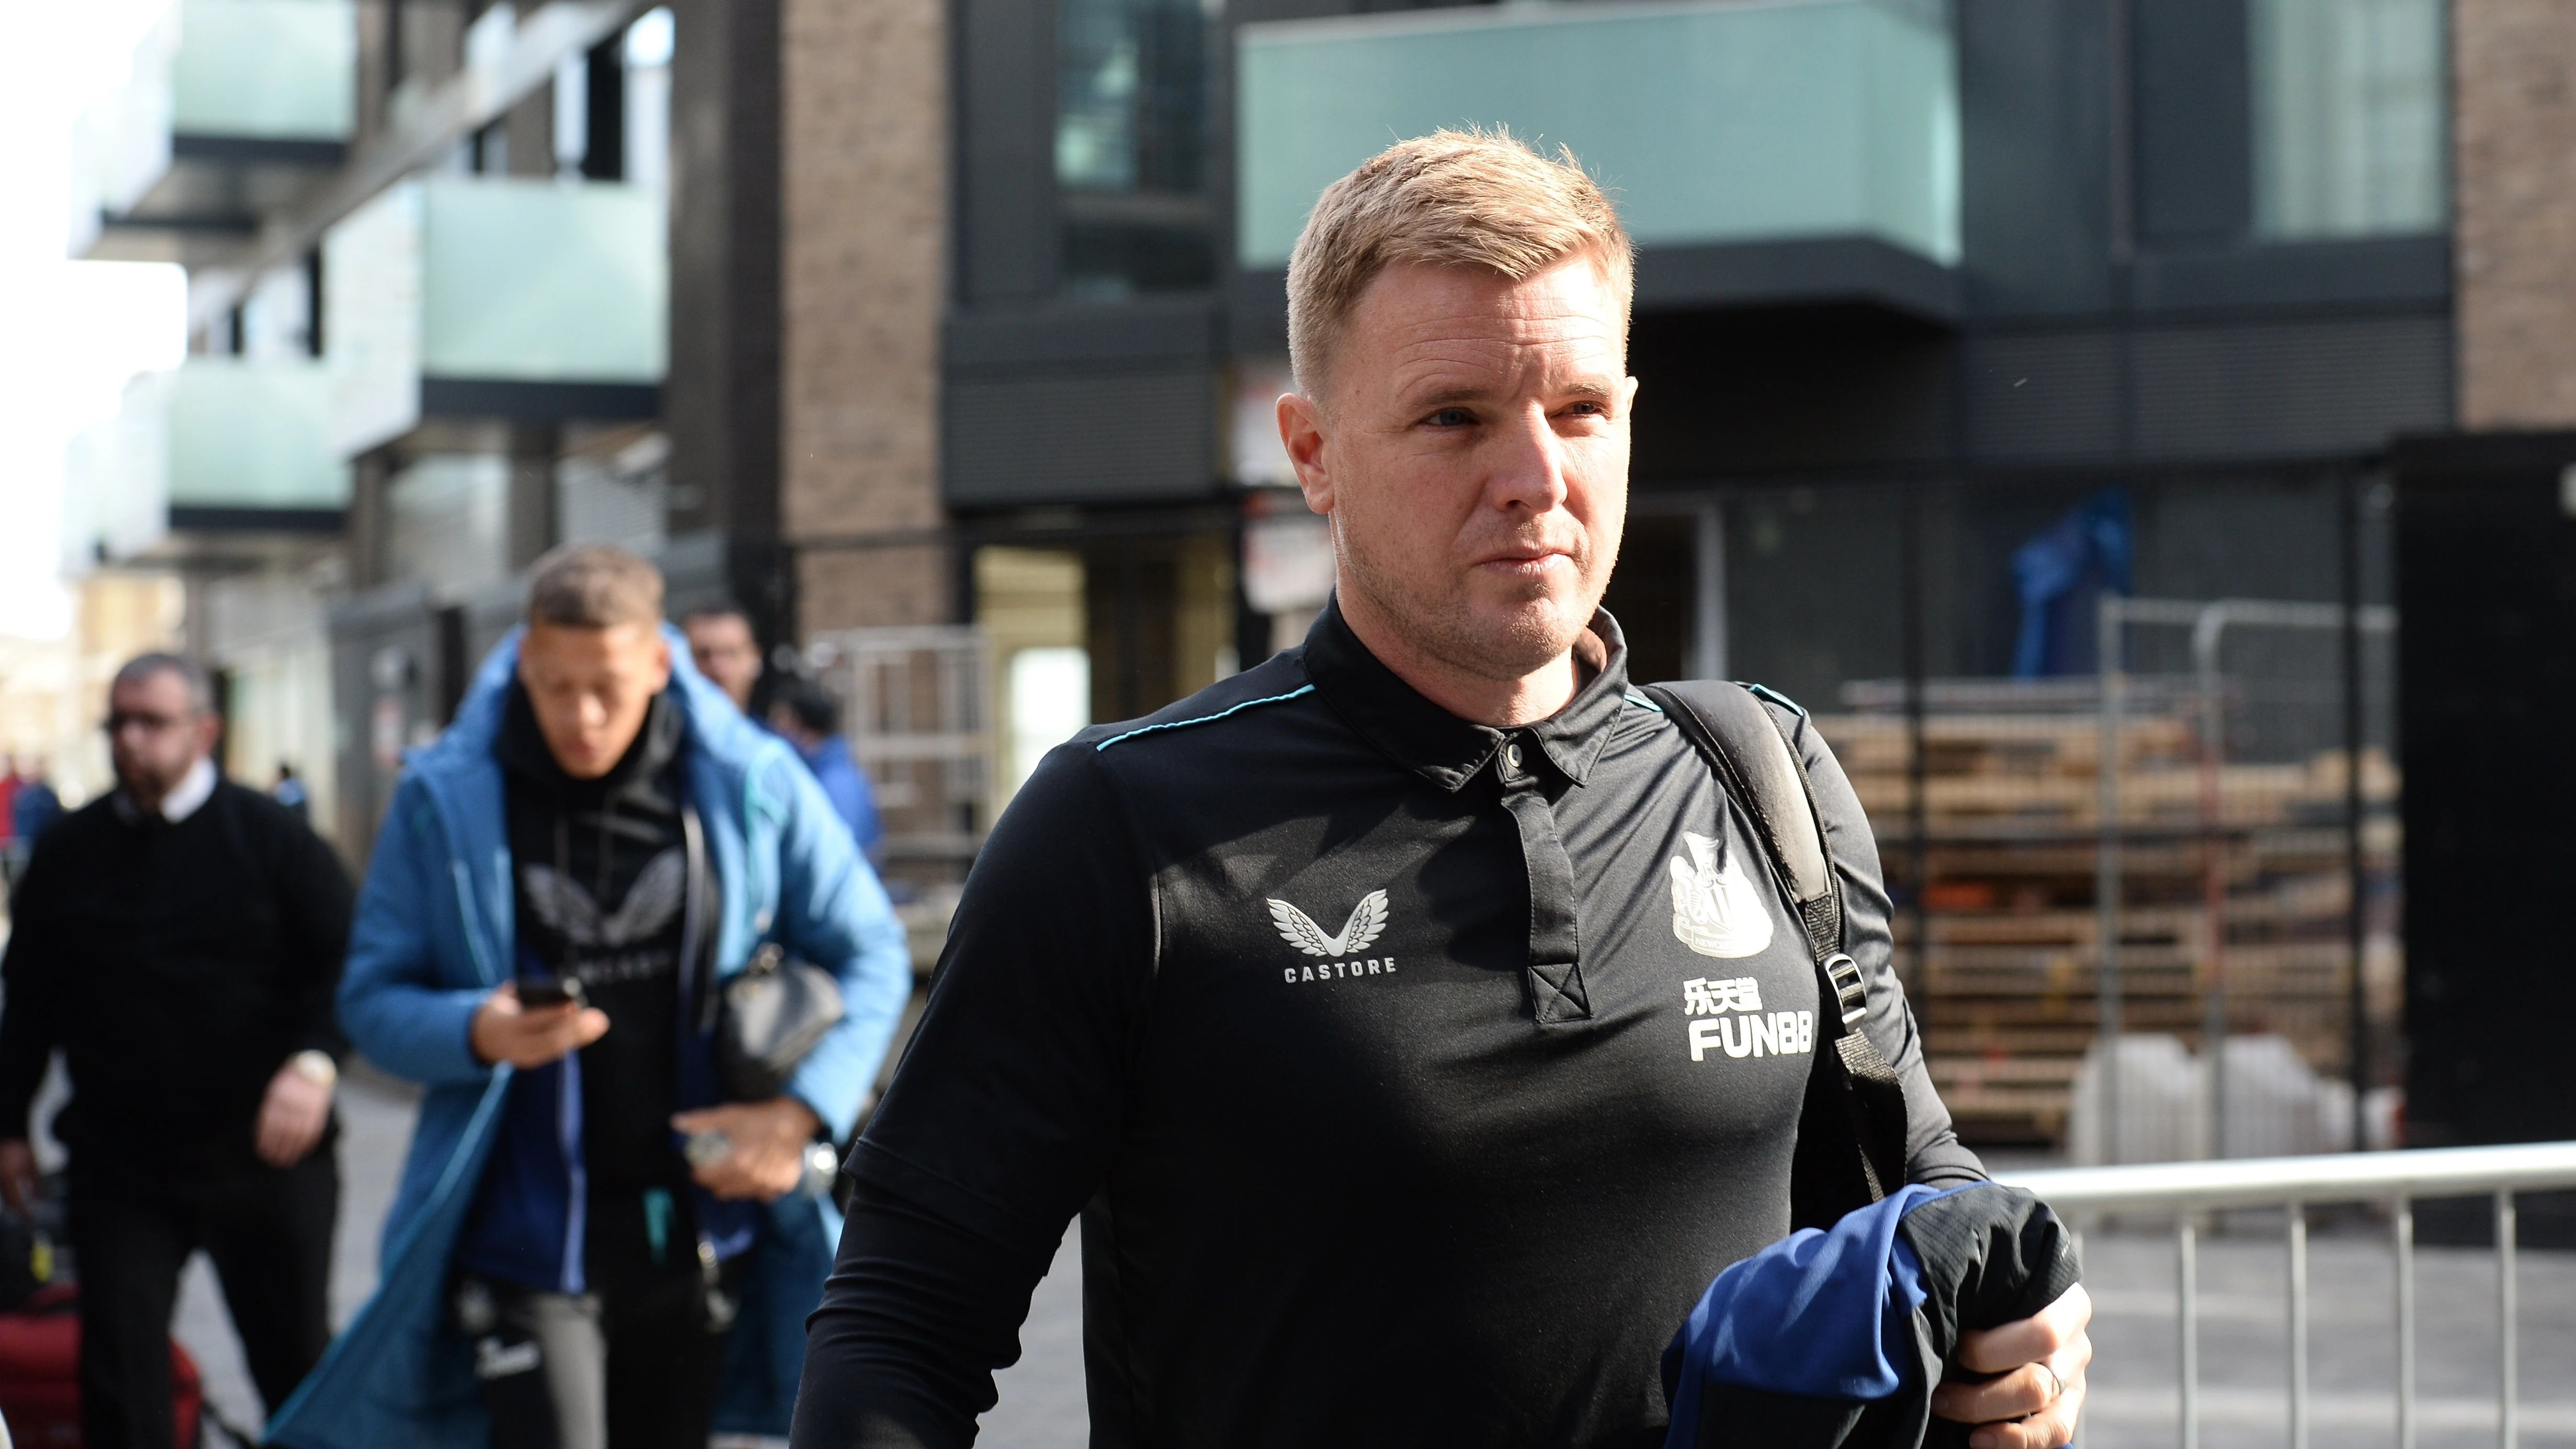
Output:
x=865 y=246
x=2514 y=150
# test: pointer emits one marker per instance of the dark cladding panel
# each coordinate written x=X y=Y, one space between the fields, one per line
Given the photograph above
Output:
x=2359 y=272
x=2307 y=387
x=2486 y=574
x=1006 y=159
x=1143 y=333
x=2034 y=181
x=1821 y=270
x=1095 y=438
x=2194 y=144
x=2043 y=395
x=1747 y=390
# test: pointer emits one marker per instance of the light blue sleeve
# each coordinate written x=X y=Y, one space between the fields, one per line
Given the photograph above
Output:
x=391 y=1001
x=834 y=912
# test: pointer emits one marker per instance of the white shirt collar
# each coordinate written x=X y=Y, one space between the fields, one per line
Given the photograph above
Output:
x=193 y=790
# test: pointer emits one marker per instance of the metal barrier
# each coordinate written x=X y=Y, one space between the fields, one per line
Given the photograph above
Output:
x=2294 y=1184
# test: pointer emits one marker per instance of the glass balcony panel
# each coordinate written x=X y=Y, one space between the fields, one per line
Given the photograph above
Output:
x=536 y=281
x=1129 y=92
x=282 y=70
x=2348 y=118
x=253 y=435
x=1714 y=122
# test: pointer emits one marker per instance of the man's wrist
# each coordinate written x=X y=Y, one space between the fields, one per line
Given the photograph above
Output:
x=315 y=1066
x=817 y=1129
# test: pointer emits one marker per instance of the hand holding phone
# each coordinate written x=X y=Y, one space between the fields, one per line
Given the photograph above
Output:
x=543 y=991
x=508 y=1029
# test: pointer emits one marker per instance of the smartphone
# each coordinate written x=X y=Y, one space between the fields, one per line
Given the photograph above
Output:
x=535 y=991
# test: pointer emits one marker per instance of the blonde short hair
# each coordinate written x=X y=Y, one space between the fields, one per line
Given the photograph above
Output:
x=1473 y=198
x=593 y=586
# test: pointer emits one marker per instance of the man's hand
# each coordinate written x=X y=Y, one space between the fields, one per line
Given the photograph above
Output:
x=769 y=1142
x=291 y=1116
x=524 y=1036
x=17 y=1173
x=2039 y=1362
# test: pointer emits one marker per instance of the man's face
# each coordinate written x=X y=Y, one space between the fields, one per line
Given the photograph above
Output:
x=156 y=734
x=1472 y=452
x=725 y=653
x=590 y=688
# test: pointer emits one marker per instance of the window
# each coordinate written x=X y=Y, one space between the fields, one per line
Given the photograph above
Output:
x=2348 y=118
x=1130 y=145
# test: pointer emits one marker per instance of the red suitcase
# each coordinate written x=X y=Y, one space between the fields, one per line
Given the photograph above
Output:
x=40 y=1374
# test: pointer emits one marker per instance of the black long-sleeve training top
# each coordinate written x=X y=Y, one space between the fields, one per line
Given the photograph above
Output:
x=1412 y=1077
x=177 y=965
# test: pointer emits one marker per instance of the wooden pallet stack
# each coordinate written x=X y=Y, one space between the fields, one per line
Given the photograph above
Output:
x=2006 y=982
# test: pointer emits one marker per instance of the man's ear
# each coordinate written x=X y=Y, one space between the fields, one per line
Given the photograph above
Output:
x=661 y=661
x=1301 y=432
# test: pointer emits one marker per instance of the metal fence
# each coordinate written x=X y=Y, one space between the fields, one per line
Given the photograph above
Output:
x=2150 y=912
x=2188 y=1190
x=2261 y=780
x=914 y=704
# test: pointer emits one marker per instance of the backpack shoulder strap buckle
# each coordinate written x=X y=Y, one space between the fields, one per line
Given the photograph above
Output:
x=1851 y=993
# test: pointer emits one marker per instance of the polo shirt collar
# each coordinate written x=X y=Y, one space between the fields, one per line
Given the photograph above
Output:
x=1438 y=745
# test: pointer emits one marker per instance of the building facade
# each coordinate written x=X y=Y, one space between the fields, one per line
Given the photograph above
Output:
x=1953 y=319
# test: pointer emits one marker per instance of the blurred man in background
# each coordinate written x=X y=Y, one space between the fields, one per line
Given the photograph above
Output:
x=179 y=940
x=807 y=716
x=723 y=647
x=596 y=1245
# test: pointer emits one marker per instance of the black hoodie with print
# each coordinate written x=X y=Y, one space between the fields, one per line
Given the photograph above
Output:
x=600 y=875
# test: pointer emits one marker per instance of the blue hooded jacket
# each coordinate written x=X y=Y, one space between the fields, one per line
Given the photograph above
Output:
x=435 y=934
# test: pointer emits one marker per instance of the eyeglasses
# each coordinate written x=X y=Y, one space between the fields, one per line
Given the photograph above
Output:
x=151 y=724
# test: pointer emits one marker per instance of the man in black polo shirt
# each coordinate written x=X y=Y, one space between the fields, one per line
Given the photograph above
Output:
x=1409 y=1018
x=179 y=940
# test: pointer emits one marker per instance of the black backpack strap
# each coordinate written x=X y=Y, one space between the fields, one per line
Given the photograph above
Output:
x=1852 y=1129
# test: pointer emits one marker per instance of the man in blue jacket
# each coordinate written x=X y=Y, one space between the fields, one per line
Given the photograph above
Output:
x=590 y=1248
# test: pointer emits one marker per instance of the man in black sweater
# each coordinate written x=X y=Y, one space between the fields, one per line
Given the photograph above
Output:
x=179 y=942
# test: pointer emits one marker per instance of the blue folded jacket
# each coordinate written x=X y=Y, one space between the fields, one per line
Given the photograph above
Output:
x=1832 y=1338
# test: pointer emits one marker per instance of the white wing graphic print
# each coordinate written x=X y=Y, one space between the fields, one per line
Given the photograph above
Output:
x=565 y=908
x=1367 y=922
x=650 y=902
x=1717 y=911
x=1298 y=931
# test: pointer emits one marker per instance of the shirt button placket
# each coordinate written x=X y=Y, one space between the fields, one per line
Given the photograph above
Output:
x=1555 y=951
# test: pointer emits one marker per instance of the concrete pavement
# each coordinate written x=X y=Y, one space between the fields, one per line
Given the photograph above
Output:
x=2242 y=1304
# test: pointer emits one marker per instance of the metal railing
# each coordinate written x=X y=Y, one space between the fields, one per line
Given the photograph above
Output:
x=2294 y=1184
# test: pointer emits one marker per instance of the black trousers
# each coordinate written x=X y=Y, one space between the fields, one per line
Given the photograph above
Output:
x=635 y=1363
x=268 y=1231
